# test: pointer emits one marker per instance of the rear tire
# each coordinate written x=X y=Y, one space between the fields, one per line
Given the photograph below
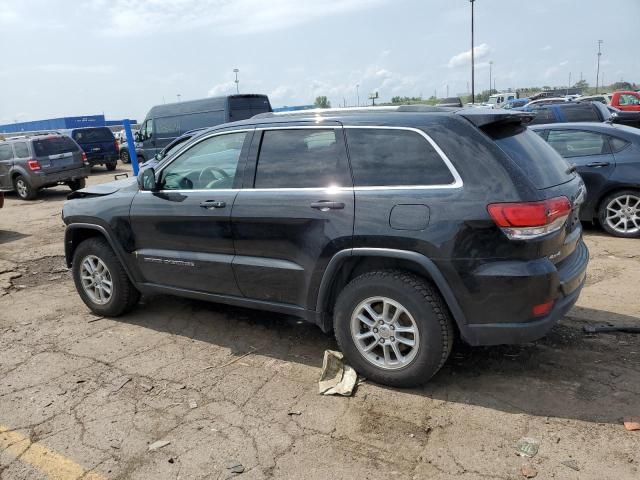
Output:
x=619 y=214
x=24 y=189
x=112 y=166
x=379 y=347
x=77 y=184
x=101 y=280
x=124 y=156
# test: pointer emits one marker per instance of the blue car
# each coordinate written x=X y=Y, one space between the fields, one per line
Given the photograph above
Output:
x=607 y=157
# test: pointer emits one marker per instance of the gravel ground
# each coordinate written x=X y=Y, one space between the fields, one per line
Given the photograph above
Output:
x=234 y=391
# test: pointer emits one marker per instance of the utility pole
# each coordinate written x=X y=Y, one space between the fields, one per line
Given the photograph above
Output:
x=569 y=86
x=600 y=42
x=490 y=68
x=447 y=90
x=237 y=82
x=473 y=86
x=358 y=93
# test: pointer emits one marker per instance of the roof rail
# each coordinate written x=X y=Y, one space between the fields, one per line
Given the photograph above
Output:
x=380 y=108
x=31 y=134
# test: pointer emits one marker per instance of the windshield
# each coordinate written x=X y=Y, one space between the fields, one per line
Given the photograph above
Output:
x=54 y=146
x=87 y=135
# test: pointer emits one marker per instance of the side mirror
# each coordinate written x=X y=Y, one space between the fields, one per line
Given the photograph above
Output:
x=147 y=179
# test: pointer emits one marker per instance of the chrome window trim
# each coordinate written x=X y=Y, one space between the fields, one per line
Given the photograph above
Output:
x=457 y=180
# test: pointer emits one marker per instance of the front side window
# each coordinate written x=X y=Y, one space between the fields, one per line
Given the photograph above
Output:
x=627 y=99
x=6 y=153
x=305 y=158
x=578 y=143
x=395 y=158
x=147 y=130
x=21 y=149
x=211 y=164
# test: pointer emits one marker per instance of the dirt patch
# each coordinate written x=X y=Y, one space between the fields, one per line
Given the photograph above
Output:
x=40 y=272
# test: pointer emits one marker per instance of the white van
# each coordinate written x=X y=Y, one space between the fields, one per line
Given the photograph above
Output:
x=497 y=100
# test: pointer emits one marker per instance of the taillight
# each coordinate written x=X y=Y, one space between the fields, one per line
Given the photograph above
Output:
x=117 y=146
x=542 y=309
x=520 y=221
x=84 y=158
x=34 y=165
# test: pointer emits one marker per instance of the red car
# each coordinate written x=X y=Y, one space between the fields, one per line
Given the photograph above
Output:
x=626 y=100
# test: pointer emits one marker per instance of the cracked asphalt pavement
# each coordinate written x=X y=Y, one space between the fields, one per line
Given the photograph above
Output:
x=190 y=390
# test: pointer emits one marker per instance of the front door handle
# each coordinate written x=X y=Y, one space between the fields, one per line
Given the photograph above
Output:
x=210 y=204
x=326 y=205
x=598 y=164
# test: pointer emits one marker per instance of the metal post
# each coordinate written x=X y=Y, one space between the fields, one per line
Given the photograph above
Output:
x=358 y=93
x=237 y=82
x=598 y=70
x=131 y=145
x=490 y=68
x=473 y=85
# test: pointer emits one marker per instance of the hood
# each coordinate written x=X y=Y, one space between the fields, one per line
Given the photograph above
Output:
x=105 y=188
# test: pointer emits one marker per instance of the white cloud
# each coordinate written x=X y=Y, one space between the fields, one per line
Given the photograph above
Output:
x=224 y=88
x=73 y=68
x=131 y=17
x=546 y=48
x=7 y=14
x=563 y=63
x=464 y=58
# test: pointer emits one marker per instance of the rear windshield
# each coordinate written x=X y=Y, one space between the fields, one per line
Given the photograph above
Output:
x=54 y=146
x=87 y=135
x=539 y=161
x=241 y=108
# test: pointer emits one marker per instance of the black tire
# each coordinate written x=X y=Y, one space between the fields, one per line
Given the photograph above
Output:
x=629 y=196
x=77 y=184
x=124 y=295
x=424 y=303
x=124 y=156
x=23 y=188
x=111 y=166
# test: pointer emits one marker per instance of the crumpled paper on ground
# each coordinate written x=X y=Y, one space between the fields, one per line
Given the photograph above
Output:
x=337 y=378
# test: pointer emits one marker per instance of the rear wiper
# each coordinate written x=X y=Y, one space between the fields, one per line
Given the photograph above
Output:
x=571 y=169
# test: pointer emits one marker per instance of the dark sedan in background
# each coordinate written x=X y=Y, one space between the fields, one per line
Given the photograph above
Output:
x=607 y=156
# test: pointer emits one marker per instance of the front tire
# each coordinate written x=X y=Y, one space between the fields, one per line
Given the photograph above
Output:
x=77 y=184
x=619 y=214
x=101 y=280
x=24 y=189
x=393 y=327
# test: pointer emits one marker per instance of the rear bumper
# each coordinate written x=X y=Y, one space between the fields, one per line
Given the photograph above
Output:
x=38 y=180
x=562 y=283
x=102 y=159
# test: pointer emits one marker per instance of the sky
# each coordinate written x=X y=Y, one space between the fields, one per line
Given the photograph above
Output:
x=121 y=57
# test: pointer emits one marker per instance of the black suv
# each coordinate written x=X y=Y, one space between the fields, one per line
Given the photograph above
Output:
x=398 y=229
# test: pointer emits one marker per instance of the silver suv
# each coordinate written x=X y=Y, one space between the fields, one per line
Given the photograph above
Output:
x=29 y=163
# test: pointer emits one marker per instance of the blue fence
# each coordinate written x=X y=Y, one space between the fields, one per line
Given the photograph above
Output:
x=61 y=123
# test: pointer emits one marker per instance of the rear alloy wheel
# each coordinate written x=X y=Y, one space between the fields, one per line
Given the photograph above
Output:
x=77 y=184
x=619 y=214
x=393 y=327
x=24 y=189
x=124 y=156
x=112 y=166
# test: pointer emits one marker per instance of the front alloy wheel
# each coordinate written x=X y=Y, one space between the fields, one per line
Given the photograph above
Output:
x=385 y=333
x=620 y=214
x=96 y=280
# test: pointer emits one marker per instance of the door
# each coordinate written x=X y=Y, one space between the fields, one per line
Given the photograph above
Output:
x=182 y=231
x=147 y=140
x=591 y=154
x=6 y=162
x=294 y=213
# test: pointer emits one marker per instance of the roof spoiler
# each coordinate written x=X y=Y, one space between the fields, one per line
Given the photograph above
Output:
x=483 y=117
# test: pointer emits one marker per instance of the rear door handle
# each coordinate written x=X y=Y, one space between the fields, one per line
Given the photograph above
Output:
x=598 y=164
x=326 y=205
x=210 y=204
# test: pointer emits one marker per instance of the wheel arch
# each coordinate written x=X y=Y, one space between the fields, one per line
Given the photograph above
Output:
x=76 y=233
x=347 y=264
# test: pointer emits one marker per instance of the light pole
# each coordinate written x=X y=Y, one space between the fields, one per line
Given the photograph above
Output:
x=237 y=82
x=600 y=42
x=569 y=83
x=178 y=95
x=473 y=85
x=490 y=68
x=358 y=93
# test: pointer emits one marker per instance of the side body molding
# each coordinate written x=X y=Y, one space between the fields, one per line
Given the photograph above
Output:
x=426 y=264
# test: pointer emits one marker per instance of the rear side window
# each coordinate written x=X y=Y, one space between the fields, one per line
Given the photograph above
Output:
x=167 y=127
x=54 y=146
x=541 y=164
x=618 y=144
x=241 y=108
x=578 y=143
x=21 y=149
x=87 y=135
x=394 y=157
x=580 y=113
x=200 y=120
x=305 y=158
x=6 y=153
x=543 y=115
